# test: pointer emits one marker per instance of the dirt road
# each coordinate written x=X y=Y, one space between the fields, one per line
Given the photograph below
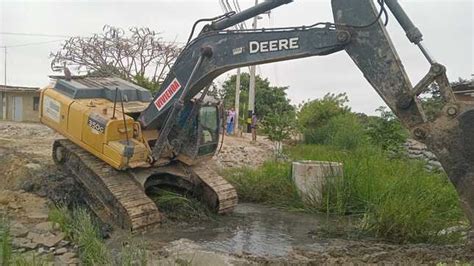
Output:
x=255 y=234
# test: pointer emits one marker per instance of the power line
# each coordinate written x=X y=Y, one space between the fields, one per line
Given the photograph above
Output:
x=30 y=44
x=35 y=34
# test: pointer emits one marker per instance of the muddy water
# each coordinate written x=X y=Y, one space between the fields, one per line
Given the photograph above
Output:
x=251 y=230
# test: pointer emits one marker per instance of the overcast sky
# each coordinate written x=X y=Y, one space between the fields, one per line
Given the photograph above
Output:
x=447 y=26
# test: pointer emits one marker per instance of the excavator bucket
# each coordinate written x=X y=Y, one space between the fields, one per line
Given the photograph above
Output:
x=450 y=135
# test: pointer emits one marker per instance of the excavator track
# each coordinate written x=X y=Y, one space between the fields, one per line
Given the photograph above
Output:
x=119 y=198
x=113 y=195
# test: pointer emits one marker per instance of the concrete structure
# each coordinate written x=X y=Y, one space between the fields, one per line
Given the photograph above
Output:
x=19 y=104
x=464 y=91
x=312 y=179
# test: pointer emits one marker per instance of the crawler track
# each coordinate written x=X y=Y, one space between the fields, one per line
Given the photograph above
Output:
x=119 y=198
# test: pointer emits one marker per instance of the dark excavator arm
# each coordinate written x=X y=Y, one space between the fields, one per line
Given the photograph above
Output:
x=451 y=135
x=359 y=31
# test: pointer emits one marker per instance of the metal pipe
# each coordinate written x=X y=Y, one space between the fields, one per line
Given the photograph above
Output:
x=248 y=13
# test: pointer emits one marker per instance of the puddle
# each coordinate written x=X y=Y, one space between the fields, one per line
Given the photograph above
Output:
x=252 y=229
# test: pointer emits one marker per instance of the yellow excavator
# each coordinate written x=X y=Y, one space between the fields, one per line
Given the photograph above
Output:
x=120 y=141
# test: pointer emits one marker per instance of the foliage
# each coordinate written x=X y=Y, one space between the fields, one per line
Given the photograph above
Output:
x=180 y=207
x=386 y=131
x=397 y=199
x=343 y=131
x=279 y=126
x=133 y=253
x=432 y=101
x=400 y=200
x=314 y=116
x=5 y=242
x=269 y=184
x=80 y=227
x=267 y=98
x=316 y=113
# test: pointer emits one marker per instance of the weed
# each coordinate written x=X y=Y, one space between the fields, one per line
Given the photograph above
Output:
x=270 y=184
x=61 y=216
x=80 y=227
x=5 y=242
x=180 y=207
x=87 y=236
x=133 y=253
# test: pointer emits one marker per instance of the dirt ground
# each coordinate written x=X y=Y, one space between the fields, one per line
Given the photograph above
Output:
x=30 y=183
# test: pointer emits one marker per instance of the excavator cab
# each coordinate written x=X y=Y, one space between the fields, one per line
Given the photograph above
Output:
x=196 y=133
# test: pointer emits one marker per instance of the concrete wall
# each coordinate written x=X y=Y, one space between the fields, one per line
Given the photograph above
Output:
x=28 y=113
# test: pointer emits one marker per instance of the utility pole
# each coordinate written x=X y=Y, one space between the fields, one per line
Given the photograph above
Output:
x=4 y=97
x=237 y=102
x=252 y=85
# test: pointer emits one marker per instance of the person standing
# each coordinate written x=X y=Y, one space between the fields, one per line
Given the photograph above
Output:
x=230 y=121
x=253 y=126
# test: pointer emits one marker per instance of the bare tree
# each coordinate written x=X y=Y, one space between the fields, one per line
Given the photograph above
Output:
x=140 y=54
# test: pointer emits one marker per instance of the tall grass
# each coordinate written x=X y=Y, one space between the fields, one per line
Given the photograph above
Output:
x=177 y=206
x=270 y=184
x=5 y=242
x=399 y=200
x=80 y=227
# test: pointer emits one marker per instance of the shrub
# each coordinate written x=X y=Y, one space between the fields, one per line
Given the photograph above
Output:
x=342 y=131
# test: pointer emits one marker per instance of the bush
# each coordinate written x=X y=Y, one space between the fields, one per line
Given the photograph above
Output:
x=386 y=131
x=342 y=131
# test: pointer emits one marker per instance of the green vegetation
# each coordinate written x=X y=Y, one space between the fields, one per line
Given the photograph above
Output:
x=269 y=184
x=395 y=198
x=8 y=257
x=5 y=242
x=398 y=199
x=79 y=227
x=180 y=207
x=268 y=98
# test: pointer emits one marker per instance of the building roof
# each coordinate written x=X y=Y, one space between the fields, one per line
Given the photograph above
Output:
x=465 y=87
x=7 y=88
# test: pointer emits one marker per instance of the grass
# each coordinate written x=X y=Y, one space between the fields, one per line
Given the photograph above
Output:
x=9 y=257
x=179 y=207
x=398 y=199
x=81 y=228
x=5 y=242
x=270 y=184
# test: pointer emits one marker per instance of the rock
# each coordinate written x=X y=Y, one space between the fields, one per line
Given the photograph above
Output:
x=38 y=215
x=63 y=243
x=18 y=230
x=24 y=243
x=67 y=257
x=44 y=227
x=60 y=251
x=48 y=240
x=41 y=250
x=33 y=166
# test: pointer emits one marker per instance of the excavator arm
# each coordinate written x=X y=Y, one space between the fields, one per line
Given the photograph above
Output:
x=358 y=30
